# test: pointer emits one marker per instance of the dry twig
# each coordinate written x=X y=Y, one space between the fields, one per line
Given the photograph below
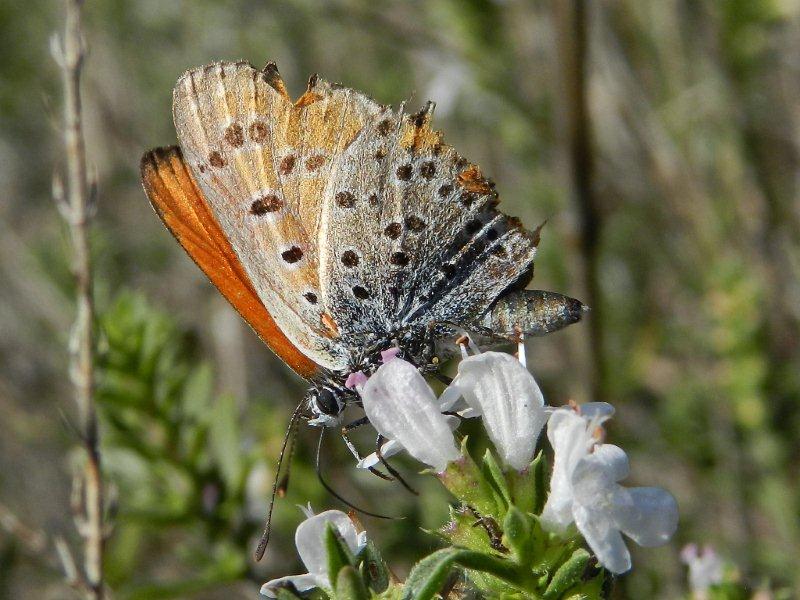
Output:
x=75 y=201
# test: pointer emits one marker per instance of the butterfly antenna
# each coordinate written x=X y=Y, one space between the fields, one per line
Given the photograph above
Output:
x=283 y=486
x=333 y=492
x=287 y=437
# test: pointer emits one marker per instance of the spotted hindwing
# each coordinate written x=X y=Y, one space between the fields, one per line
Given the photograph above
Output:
x=411 y=233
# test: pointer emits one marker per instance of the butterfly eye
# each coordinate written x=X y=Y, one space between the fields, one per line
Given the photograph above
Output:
x=326 y=402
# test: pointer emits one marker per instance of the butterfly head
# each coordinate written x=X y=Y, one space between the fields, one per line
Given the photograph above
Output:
x=326 y=402
x=334 y=391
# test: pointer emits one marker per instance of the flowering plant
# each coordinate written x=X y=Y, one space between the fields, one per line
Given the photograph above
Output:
x=506 y=533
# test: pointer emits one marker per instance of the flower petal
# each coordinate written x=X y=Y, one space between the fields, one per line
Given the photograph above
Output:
x=302 y=583
x=604 y=539
x=355 y=379
x=451 y=398
x=571 y=442
x=309 y=540
x=652 y=517
x=601 y=411
x=362 y=541
x=612 y=459
x=452 y=422
x=689 y=553
x=306 y=510
x=401 y=406
x=510 y=401
x=469 y=413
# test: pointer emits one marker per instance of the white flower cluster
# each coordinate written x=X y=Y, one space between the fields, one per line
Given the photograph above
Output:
x=585 y=487
x=404 y=409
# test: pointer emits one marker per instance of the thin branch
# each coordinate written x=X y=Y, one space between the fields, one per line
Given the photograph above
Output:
x=75 y=201
x=32 y=540
x=35 y=543
x=571 y=23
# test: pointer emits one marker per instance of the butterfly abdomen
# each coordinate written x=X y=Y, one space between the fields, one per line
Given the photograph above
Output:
x=533 y=313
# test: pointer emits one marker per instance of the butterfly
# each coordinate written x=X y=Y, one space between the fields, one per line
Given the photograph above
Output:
x=339 y=227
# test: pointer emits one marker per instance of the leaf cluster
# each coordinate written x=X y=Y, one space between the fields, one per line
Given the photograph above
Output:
x=173 y=449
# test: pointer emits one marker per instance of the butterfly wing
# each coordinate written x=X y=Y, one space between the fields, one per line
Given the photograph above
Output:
x=262 y=162
x=411 y=231
x=182 y=208
x=349 y=218
x=357 y=285
x=461 y=252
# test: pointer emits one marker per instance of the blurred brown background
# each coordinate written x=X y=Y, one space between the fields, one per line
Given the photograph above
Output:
x=671 y=207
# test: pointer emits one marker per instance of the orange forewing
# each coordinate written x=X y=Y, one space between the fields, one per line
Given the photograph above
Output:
x=181 y=206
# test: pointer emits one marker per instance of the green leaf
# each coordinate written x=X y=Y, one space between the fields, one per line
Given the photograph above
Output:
x=552 y=551
x=429 y=574
x=338 y=553
x=462 y=530
x=518 y=536
x=592 y=589
x=349 y=585
x=568 y=575
x=494 y=476
x=464 y=479
x=490 y=586
x=499 y=567
x=225 y=441
x=373 y=568
x=197 y=392
x=285 y=594
x=529 y=487
x=539 y=543
x=541 y=483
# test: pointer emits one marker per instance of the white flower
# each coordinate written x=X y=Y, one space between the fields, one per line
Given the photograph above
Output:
x=309 y=539
x=402 y=407
x=571 y=435
x=705 y=569
x=585 y=490
x=499 y=388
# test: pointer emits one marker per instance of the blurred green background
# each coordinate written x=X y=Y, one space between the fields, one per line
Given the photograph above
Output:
x=687 y=249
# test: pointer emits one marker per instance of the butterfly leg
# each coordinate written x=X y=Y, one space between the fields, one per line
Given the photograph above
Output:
x=445 y=379
x=328 y=488
x=390 y=468
x=352 y=447
x=429 y=361
x=429 y=350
